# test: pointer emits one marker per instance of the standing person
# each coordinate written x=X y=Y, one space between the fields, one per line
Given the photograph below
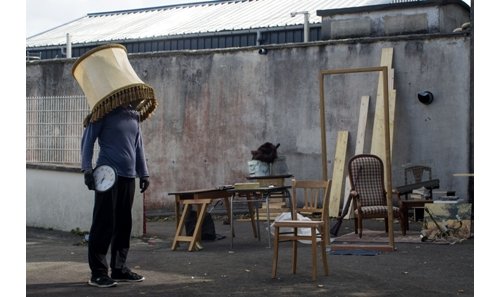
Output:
x=119 y=101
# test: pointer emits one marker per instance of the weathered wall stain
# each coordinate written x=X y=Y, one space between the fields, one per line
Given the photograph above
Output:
x=215 y=106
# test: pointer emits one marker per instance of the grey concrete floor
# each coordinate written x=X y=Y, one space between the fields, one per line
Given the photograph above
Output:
x=56 y=265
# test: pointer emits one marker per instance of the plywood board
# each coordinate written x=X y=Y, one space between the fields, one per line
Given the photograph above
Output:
x=377 y=144
x=338 y=173
x=363 y=116
x=391 y=79
x=360 y=143
x=392 y=111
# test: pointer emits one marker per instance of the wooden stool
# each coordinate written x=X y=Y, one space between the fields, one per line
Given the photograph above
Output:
x=195 y=237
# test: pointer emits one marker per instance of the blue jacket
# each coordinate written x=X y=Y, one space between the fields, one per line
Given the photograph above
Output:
x=120 y=143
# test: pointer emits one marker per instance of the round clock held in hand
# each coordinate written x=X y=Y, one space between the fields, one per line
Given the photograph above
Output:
x=104 y=178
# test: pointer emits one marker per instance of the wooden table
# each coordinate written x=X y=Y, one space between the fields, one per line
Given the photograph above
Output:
x=408 y=204
x=413 y=203
x=277 y=180
x=201 y=198
x=276 y=200
x=258 y=194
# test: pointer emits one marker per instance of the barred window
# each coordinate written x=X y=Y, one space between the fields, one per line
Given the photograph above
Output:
x=54 y=127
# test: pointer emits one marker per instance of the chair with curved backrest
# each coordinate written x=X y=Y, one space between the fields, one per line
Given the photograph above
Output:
x=416 y=174
x=366 y=175
x=288 y=230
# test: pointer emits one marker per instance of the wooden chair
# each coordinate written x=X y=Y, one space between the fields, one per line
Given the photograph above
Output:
x=366 y=175
x=318 y=228
x=311 y=205
x=417 y=174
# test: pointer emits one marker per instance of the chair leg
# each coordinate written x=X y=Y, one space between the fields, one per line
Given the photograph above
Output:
x=294 y=254
x=356 y=225
x=323 y=251
x=360 y=226
x=314 y=247
x=403 y=225
x=276 y=251
x=386 y=222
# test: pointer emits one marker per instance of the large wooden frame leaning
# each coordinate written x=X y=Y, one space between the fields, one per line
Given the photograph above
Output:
x=387 y=161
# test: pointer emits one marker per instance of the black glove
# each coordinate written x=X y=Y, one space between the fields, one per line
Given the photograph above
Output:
x=89 y=179
x=144 y=183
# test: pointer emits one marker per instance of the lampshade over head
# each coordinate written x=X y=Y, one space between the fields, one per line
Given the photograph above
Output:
x=108 y=80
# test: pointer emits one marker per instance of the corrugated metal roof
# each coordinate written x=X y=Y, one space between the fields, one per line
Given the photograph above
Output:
x=194 y=18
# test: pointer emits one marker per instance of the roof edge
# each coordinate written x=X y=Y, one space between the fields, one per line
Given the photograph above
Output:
x=400 y=5
x=179 y=36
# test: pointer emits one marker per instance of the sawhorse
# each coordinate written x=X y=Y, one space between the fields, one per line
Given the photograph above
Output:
x=193 y=239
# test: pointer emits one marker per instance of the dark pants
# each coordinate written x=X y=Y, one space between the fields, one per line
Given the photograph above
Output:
x=111 y=225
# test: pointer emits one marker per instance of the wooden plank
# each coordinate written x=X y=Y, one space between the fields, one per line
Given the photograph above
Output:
x=388 y=159
x=391 y=79
x=363 y=247
x=360 y=144
x=406 y=189
x=323 y=124
x=377 y=145
x=392 y=111
x=363 y=116
x=338 y=173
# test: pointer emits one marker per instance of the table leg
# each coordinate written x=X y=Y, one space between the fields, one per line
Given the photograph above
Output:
x=231 y=219
x=258 y=219
x=178 y=230
x=256 y=232
x=268 y=222
x=201 y=211
x=226 y=205
x=177 y=209
x=404 y=213
x=194 y=239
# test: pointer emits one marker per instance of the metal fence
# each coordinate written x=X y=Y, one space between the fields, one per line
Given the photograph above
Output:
x=54 y=127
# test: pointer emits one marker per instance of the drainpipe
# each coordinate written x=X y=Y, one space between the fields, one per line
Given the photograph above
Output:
x=68 y=45
x=306 y=23
x=259 y=38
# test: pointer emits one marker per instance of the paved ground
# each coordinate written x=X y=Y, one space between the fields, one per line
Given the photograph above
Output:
x=56 y=265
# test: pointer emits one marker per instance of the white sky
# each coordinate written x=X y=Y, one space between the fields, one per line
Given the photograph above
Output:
x=42 y=15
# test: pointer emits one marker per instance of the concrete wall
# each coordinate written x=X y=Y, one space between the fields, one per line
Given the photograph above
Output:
x=394 y=19
x=60 y=200
x=215 y=106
